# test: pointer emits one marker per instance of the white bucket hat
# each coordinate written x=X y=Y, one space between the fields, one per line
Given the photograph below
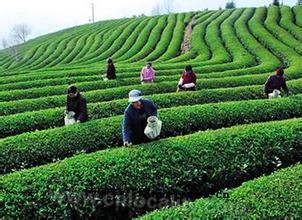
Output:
x=135 y=95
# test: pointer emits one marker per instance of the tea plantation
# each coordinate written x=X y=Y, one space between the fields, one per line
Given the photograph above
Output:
x=225 y=151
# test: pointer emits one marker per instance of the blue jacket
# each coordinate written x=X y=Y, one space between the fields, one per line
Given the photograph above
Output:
x=135 y=122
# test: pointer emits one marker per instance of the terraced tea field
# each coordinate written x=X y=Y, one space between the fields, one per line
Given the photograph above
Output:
x=225 y=135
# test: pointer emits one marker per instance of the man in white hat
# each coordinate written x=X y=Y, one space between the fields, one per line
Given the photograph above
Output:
x=135 y=118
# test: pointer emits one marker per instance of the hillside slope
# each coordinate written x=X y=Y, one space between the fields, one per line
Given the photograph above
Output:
x=219 y=136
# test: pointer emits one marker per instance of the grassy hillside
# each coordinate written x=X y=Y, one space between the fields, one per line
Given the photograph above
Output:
x=221 y=135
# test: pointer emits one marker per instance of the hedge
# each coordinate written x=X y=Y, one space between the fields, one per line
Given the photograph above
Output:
x=97 y=41
x=109 y=38
x=24 y=50
x=140 y=41
x=161 y=70
x=131 y=39
x=272 y=24
x=96 y=84
x=173 y=48
x=53 y=79
x=84 y=41
x=153 y=38
x=18 y=106
x=31 y=149
x=67 y=50
x=28 y=56
x=48 y=82
x=264 y=57
x=39 y=49
x=61 y=79
x=62 y=50
x=49 y=118
x=238 y=54
x=298 y=15
x=268 y=40
x=277 y=196
x=189 y=166
x=165 y=38
x=6 y=57
x=93 y=40
x=196 y=38
x=287 y=22
x=35 y=93
x=241 y=58
x=219 y=54
x=119 y=42
x=42 y=58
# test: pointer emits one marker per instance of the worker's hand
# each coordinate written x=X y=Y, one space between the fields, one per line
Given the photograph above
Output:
x=127 y=143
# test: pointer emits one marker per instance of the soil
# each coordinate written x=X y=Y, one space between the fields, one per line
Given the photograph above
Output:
x=185 y=46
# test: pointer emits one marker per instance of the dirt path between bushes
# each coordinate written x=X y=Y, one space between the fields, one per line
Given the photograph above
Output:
x=185 y=45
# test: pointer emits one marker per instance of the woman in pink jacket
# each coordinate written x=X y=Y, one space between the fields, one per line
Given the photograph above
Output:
x=147 y=74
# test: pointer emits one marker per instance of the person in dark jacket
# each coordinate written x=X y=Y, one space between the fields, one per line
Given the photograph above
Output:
x=276 y=81
x=76 y=103
x=135 y=118
x=188 y=79
x=110 y=74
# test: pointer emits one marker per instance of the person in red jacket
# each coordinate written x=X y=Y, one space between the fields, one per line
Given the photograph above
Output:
x=276 y=82
x=188 y=79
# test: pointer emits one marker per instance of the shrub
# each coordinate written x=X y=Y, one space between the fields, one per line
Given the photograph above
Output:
x=275 y=196
x=49 y=118
x=31 y=149
x=192 y=165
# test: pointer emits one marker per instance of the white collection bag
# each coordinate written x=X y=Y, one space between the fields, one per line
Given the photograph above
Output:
x=69 y=118
x=189 y=85
x=275 y=94
x=180 y=81
x=104 y=76
x=153 y=127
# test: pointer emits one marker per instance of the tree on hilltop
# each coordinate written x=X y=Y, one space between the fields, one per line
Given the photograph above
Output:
x=20 y=32
x=230 y=5
x=276 y=2
x=169 y=6
x=156 y=10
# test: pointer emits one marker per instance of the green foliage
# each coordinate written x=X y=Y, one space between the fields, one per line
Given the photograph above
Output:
x=209 y=160
x=174 y=44
x=228 y=48
x=154 y=37
x=36 y=148
x=49 y=118
x=140 y=42
x=282 y=35
x=274 y=196
x=298 y=14
x=286 y=21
